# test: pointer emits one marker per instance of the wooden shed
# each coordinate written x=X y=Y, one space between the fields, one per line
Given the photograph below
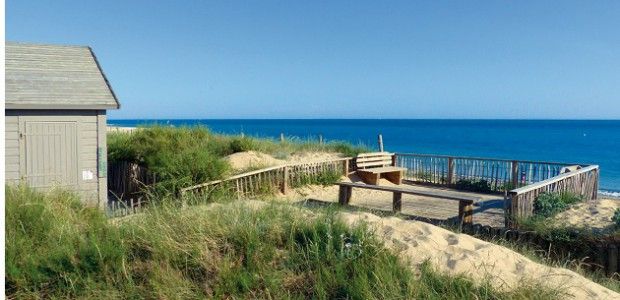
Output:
x=55 y=116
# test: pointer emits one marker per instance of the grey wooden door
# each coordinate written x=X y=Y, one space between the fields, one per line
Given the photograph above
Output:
x=50 y=153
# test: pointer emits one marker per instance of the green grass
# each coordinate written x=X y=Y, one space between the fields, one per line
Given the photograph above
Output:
x=540 y=255
x=185 y=156
x=58 y=248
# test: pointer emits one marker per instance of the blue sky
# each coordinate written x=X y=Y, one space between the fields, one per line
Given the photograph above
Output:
x=343 y=59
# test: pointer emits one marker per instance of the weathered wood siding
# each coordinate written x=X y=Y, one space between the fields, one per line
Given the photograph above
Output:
x=91 y=148
x=11 y=149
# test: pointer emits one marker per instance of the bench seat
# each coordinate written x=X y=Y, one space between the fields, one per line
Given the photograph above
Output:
x=376 y=165
x=382 y=170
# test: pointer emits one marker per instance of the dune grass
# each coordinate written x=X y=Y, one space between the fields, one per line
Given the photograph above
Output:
x=185 y=156
x=58 y=248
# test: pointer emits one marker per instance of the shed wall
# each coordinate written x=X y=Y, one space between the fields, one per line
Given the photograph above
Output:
x=89 y=139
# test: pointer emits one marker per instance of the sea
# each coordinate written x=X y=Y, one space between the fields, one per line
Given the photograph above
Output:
x=570 y=141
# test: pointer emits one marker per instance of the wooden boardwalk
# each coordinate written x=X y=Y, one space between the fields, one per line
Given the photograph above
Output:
x=489 y=211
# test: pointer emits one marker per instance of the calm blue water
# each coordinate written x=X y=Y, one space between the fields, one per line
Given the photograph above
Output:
x=596 y=142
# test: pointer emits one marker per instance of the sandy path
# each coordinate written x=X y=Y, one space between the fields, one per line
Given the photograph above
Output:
x=462 y=254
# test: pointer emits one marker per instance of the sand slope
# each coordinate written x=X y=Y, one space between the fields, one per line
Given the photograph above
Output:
x=594 y=214
x=462 y=254
x=253 y=159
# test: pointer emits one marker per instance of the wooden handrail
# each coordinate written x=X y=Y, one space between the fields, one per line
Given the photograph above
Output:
x=260 y=171
x=551 y=180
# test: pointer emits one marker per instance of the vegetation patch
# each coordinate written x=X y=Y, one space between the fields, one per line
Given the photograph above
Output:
x=474 y=185
x=62 y=249
x=185 y=156
x=549 y=204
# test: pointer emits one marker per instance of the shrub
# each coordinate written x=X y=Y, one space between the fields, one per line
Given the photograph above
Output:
x=241 y=144
x=474 y=185
x=549 y=204
x=616 y=217
x=324 y=178
x=61 y=249
x=178 y=157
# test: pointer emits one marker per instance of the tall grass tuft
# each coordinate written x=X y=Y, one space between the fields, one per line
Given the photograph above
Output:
x=58 y=248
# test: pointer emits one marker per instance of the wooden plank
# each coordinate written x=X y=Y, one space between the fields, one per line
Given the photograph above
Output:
x=433 y=194
x=382 y=170
x=551 y=180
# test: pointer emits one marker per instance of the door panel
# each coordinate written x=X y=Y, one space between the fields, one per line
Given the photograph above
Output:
x=51 y=153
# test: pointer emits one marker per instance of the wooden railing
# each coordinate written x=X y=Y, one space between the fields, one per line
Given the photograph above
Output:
x=499 y=175
x=252 y=184
x=582 y=182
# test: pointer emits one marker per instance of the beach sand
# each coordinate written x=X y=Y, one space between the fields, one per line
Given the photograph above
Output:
x=454 y=254
x=459 y=254
x=595 y=214
x=252 y=159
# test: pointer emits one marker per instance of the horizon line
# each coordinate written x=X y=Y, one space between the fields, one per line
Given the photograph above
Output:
x=421 y=119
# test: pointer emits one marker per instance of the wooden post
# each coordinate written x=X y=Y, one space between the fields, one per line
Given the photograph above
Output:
x=515 y=174
x=285 y=180
x=380 y=143
x=612 y=263
x=344 y=195
x=397 y=201
x=466 y=209
x=281 y=137
x=346 y=167
x=450 y=179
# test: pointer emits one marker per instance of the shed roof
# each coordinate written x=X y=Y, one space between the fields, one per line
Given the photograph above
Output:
x=55 y=77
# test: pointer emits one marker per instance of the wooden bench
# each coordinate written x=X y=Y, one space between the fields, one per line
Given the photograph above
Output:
x=376 y=165
x=466 y=203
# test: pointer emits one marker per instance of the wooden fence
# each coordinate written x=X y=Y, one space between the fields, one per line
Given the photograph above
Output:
x=252 y=184
x=126 y=180
x=498 y=174
x=520 y=201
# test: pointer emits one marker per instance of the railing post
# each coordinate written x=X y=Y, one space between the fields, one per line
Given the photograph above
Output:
x=515 y=174
x=450 y=170
x=285 y=180
x=345 y=167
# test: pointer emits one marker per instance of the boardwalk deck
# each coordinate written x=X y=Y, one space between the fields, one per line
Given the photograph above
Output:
x=489 y=211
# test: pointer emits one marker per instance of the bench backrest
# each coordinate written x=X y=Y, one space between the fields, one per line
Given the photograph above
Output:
x=374 y=160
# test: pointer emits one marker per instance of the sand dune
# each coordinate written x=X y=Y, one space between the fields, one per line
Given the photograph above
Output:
x=253 y=159
x=462 y=254
x=593 y=214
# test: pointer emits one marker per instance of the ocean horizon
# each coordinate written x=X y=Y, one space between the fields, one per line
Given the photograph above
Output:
x=570 y=141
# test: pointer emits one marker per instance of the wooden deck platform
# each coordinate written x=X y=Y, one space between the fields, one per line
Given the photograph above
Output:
x=489 y=211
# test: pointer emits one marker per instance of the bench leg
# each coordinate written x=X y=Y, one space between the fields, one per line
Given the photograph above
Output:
x=344 y=195
x=466 y=212
x=394 y=177
x=397 y=201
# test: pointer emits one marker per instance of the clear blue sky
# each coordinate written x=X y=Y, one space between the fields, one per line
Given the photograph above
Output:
x=337 y=59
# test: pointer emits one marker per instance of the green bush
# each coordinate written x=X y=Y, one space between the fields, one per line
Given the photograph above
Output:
x=241 y=144
x=474 y=185
x=616 y=217
x=325 y=178
x=549 y=204
x=60 y=249
x=178 y=157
